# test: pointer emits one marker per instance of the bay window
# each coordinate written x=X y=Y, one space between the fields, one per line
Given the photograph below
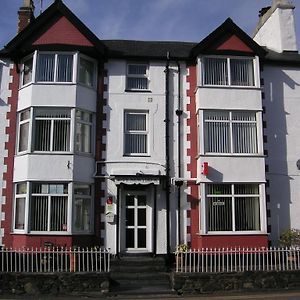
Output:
x=20 y=203
x=49 y=207
x=82 y=207
x=231 y=71
x=55 y=67
x=136 y=133
x=86 y=72
x=233 y=207
x=24 y=127
x=83 y=131
x=52 y=129
x=230 y=131
x=137 y=77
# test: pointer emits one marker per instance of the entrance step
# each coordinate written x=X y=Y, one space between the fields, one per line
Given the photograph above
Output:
x=139 y=275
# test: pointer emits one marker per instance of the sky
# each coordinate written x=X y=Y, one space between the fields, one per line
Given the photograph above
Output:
x=165 y=20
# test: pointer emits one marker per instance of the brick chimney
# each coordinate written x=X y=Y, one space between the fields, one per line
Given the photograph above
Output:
x=26 y=14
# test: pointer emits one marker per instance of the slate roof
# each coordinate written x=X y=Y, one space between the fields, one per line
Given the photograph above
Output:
x=284 y=58
x=148 y=49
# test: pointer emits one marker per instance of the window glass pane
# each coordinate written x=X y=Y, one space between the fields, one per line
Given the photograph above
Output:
x=129 y=200
x=86 y=72
x=137 y=78
x=27 y=71
x=141 y=238
x=129 y=216
x=83 y=131
x=82 y=214
x=58 y=216
x=247 y=216
x=82 y=189
x=45 y=70
x=42 y=135
x=219 y=189
x=135 y=122
x=20 y=213
x=246 y=189
x=21 y=188
x=61 y=135
x=215 y=71
x=137 y=83
x=141 y=217
x=129 y=238
x=23 y=137
x=25 y=115
x=39 y=213
x=242 y=73
x=65 y=68
x=137 y=69
x=136 y=143
x=219 y=214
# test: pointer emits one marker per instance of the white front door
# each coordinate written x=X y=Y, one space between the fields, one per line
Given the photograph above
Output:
x=136 y=215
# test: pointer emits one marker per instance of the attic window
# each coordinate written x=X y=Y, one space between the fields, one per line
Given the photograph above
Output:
x=55 y=67
x=228 y=71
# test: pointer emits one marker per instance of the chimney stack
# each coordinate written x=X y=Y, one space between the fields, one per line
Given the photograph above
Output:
x=26 y=14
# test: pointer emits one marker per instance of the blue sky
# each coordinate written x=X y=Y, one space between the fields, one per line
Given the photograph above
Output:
x=183 y=20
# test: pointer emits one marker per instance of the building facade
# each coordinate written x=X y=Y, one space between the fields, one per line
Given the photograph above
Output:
x=140 y=146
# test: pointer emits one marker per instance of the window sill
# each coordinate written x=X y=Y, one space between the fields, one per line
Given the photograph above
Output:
x=138 y=91
x=136 y=155
x=237 y=87
x=231 y=155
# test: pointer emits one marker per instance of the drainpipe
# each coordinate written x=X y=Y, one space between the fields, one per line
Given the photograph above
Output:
x=167 y=140
x=179 y=182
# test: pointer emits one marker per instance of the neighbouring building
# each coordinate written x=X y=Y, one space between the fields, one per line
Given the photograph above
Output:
x=139 y=146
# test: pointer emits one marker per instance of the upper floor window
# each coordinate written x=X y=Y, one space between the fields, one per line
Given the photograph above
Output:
x=86 y=72
x=27 y=70
x=83 y=131
x=24 y=127
x=136 y=133
x=228 y=71
x=55 y=67
x=233 y=207
x=137 y=77
x=230 y=131
x=52 y=129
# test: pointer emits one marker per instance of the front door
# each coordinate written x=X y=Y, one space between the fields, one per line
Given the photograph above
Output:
x=136 y=221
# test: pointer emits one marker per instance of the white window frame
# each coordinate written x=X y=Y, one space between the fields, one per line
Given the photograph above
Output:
x=204 y=210
x=71 y=131
x=20 y=123
x=91 y=126
x=56 y=54
x=90 y=197
x=136 y=132
x=128 y=75
x=93 y=61
x=49 y=195
x=33 y=56
x=18 y=196
x=202 y=132
x=255 y=64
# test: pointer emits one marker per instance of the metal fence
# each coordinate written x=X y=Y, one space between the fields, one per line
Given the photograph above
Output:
x=49 y=260
x=238 y=260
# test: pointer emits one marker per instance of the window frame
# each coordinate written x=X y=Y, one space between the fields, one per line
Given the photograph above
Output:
x=128 y=75
x=27 y=58
x=91 y=126
x=228 y=68
x=20 y=123
x=52 y=120
x=91 y=207
x=19 y=196
x=136 y=132
x=203 y=213
x=203 y=135
x=55 y=72
x=95 y=68
x=49 y=201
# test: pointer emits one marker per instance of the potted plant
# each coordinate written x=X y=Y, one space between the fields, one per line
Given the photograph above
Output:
x=291 y=239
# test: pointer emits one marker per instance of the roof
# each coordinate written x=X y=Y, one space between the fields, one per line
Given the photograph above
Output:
x=222 y=33
x=148 y=49
x=21 y=41
x=283 y=58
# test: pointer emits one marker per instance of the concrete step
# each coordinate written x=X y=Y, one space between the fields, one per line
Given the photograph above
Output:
x=156 y=276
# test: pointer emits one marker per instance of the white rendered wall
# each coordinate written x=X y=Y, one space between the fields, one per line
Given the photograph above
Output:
x=282 y=102
x=4 y=94
x=154 y=162
x=278 y=31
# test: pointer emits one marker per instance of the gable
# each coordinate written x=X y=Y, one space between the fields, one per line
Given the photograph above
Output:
x=233 y=43
x=62 y=31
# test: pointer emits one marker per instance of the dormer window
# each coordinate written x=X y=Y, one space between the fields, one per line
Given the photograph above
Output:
x=225 y=71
